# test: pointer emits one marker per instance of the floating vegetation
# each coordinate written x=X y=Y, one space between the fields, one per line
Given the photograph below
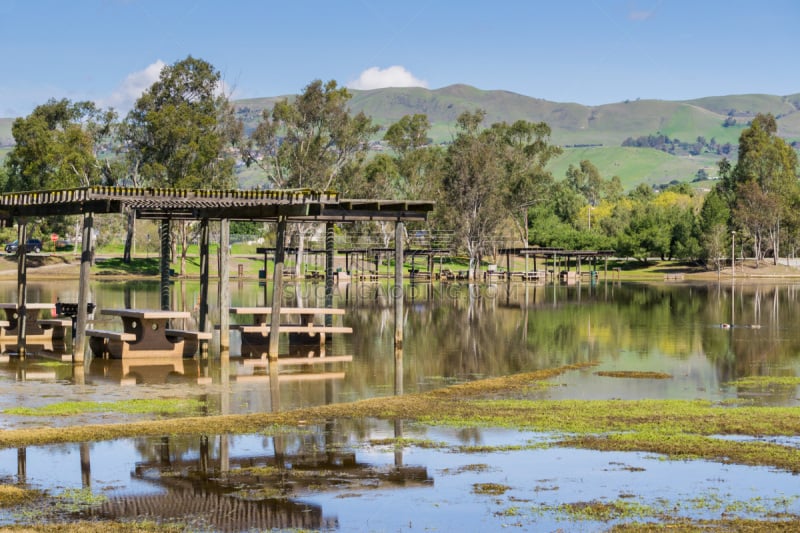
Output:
x=766 y=382
x=492 y=489
x=172 y=406
x=474 y=468
x=667 y=513
x=11 y=495
x=632 y=374
x=599 y=510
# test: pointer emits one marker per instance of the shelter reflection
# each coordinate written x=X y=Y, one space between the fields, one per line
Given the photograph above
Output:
x=252 y=482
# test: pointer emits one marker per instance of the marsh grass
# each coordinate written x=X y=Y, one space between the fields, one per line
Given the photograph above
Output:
x=766 y=382
x=678 y=429
x=171 y=406
x=632 y=374
x=11 y=495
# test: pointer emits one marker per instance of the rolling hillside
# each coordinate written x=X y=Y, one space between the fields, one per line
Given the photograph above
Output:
x=603 y=127
x=586 y=132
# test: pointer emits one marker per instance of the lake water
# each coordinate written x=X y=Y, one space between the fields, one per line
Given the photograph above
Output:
x=341 y=476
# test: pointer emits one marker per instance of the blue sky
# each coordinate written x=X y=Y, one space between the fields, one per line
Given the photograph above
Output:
x=591 y=52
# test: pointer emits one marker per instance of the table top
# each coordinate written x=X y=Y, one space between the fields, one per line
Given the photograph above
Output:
x=28 y=306
x=146 y=314
x=287 y=311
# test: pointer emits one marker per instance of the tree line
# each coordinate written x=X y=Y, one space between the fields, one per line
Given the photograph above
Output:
x=490 y=183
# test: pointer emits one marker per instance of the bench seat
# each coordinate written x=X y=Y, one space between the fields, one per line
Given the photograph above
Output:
x=196 y=335
x=292 y=328
x=111 y=335
x=100 y=340
x=55 y=322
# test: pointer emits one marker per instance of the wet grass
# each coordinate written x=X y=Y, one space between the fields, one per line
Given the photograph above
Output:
x=632 y=374
x=86 y=526
x=766 y=382
x=11 y=495
x=164 y=407
x=675 y=429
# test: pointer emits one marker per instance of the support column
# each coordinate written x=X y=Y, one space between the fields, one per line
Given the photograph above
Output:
x=87 y=253
x=204 y=274
x=277 y=290
x=398 y=308
x=163 y=233
x=22 y=285
x=224 y=284
x=329 y=241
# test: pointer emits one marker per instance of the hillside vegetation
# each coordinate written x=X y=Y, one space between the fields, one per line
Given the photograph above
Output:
x=586 y=132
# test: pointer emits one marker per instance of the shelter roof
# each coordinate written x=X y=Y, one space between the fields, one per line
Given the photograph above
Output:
x=165 y=203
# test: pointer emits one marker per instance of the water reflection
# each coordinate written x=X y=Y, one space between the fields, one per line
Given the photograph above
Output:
x=356 y=475
x=224 y=483
x=453 y=332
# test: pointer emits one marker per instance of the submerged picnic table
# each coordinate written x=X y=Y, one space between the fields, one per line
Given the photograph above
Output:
x=308 y=330
x=36 y=328
x=146 y=333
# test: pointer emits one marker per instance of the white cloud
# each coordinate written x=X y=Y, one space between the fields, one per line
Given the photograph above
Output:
x=124 y=96
x=395 y=76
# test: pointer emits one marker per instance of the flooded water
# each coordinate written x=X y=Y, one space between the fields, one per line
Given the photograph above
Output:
x=342 y=476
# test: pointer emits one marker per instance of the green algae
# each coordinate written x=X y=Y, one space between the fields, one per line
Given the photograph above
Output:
x=172 y=406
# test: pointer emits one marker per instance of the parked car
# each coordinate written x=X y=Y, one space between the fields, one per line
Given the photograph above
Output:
x=31 y=245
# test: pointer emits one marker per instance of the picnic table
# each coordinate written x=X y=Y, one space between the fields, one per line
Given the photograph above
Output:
x=305 y=329
x=146 y=333
x=36 y=328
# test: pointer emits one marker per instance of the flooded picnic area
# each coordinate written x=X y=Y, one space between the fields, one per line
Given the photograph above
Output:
x=715 y=342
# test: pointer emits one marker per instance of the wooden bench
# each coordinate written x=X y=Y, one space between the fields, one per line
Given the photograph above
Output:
x=100 y=340
x=193 y=339
x=58 y=325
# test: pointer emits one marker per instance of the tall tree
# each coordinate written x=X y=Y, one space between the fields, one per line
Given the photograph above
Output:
x=765 y=183
x=311 y=141
x=487 y=173
x=180 y=131
x=57 y=146
x=418 y=163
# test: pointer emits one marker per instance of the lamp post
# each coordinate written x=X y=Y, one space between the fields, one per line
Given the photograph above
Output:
x=733 y=253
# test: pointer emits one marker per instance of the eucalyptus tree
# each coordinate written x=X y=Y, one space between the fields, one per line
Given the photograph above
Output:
x=765 y=184
x=180 y=133
x=311 y=141
x=59 y=145
x=418 y=161
x=490 y=174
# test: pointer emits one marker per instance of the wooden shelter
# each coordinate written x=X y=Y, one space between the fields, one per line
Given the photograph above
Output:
x=164 y=204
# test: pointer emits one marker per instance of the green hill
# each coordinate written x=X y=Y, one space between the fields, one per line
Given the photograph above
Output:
x=575 y=126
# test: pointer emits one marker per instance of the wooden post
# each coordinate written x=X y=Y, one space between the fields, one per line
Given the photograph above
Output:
x=224 y=285
x=22 y=285
x=398 y=308
x=163 y=234
x=87 y=253
x=329 y=242
x=204 y=274
x=277 y=290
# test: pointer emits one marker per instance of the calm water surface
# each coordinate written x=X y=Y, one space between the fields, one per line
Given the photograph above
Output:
x=704 y=336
